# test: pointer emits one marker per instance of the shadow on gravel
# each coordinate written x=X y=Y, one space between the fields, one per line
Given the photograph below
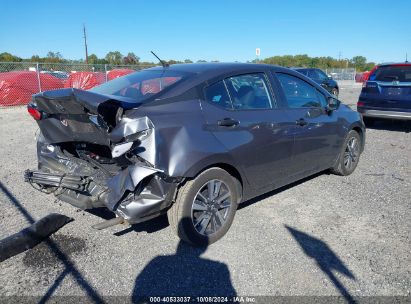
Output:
x=325 y=258
x=69 y=266
x=161 y=222
x=391 y=125
x=150 y=226
x=183 y=274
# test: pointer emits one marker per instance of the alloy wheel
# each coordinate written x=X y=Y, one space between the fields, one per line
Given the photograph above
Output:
x=211 y=207
x=351 y=153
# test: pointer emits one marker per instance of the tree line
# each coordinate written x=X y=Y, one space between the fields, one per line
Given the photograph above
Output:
x=360 y=63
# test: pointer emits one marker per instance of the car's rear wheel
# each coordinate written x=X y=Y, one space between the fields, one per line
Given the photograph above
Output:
x=349 y=154
x=205 y=207
x=334 y=91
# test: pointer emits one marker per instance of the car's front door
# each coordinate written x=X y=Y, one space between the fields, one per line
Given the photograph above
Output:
x=241 y=112
x=316 y=131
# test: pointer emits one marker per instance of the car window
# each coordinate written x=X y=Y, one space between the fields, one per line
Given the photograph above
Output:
x=392 y=73
x=217 y=95
x=321 y=75
x=299 y=94
x=313 y=74
x=249 y=91
x=140 y=86
x=322 y=99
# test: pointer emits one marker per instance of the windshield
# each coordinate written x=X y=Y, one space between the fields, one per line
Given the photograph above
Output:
x=140 y=85
x=401 y=73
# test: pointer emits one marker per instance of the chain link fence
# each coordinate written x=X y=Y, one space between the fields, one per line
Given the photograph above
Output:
x=342 y=74
x=20 y=80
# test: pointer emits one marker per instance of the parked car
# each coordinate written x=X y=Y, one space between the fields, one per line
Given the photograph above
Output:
x=321 y=78
x=192 y=140
x=386 y=93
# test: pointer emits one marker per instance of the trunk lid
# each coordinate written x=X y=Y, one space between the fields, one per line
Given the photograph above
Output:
x=396 y=95
x=77 y=115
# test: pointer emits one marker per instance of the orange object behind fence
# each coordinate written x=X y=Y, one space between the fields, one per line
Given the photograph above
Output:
x=17 y=87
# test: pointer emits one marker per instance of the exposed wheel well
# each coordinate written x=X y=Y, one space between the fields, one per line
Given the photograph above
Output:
x=232 y=171
x=361 y=133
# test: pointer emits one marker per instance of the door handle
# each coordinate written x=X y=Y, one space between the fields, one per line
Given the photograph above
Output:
x=301 y=122
x=228 y=122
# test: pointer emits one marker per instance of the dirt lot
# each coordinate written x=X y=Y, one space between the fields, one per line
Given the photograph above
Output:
x=327 y=235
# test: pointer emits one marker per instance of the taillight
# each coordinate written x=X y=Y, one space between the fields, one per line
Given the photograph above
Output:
x=36 y=114
x=360 y=104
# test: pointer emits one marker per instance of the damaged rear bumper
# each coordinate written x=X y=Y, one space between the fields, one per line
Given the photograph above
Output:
x=135 y=193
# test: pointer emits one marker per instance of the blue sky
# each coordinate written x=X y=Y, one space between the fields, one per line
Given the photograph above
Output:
x=226 y=30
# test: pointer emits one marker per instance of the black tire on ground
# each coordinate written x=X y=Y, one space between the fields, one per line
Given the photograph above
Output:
x=180 y=215
x=368 y=121
x=340 y=167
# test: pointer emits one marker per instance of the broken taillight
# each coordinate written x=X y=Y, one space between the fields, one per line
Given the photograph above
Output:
x=36 y=114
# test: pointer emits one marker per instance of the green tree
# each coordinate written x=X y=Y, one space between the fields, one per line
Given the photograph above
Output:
x=35 y=58
x=92 y=59
x=187 y=61
x=369 y=66
x=359 y=62
x=131 y=58
x=54 y=57
x=172 y=61
x=7 y=57
x=114 y=57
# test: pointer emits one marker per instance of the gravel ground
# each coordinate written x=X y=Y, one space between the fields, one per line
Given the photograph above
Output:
x=327 y=235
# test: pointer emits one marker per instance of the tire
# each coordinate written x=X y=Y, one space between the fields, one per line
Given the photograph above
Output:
x=348 y=156
x=369 y=122
x=184 y=217
x=334 y=91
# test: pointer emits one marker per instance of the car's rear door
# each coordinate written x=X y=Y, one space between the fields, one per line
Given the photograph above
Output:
x=315 y=130
x=241 y=112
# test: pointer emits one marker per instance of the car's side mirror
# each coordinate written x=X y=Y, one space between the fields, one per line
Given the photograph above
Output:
x=332 y=104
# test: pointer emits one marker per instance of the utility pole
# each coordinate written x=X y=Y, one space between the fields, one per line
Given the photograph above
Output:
x=85 y=42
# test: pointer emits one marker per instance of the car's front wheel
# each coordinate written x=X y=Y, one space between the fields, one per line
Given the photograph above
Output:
x=349 y=154
x=205 y=207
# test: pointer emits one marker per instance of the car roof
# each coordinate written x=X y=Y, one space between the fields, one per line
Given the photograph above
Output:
x=406 y=63
x=207 y=71
x=218 y=67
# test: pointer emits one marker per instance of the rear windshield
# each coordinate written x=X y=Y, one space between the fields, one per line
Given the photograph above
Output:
x=392 y=73
x=140 y=85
